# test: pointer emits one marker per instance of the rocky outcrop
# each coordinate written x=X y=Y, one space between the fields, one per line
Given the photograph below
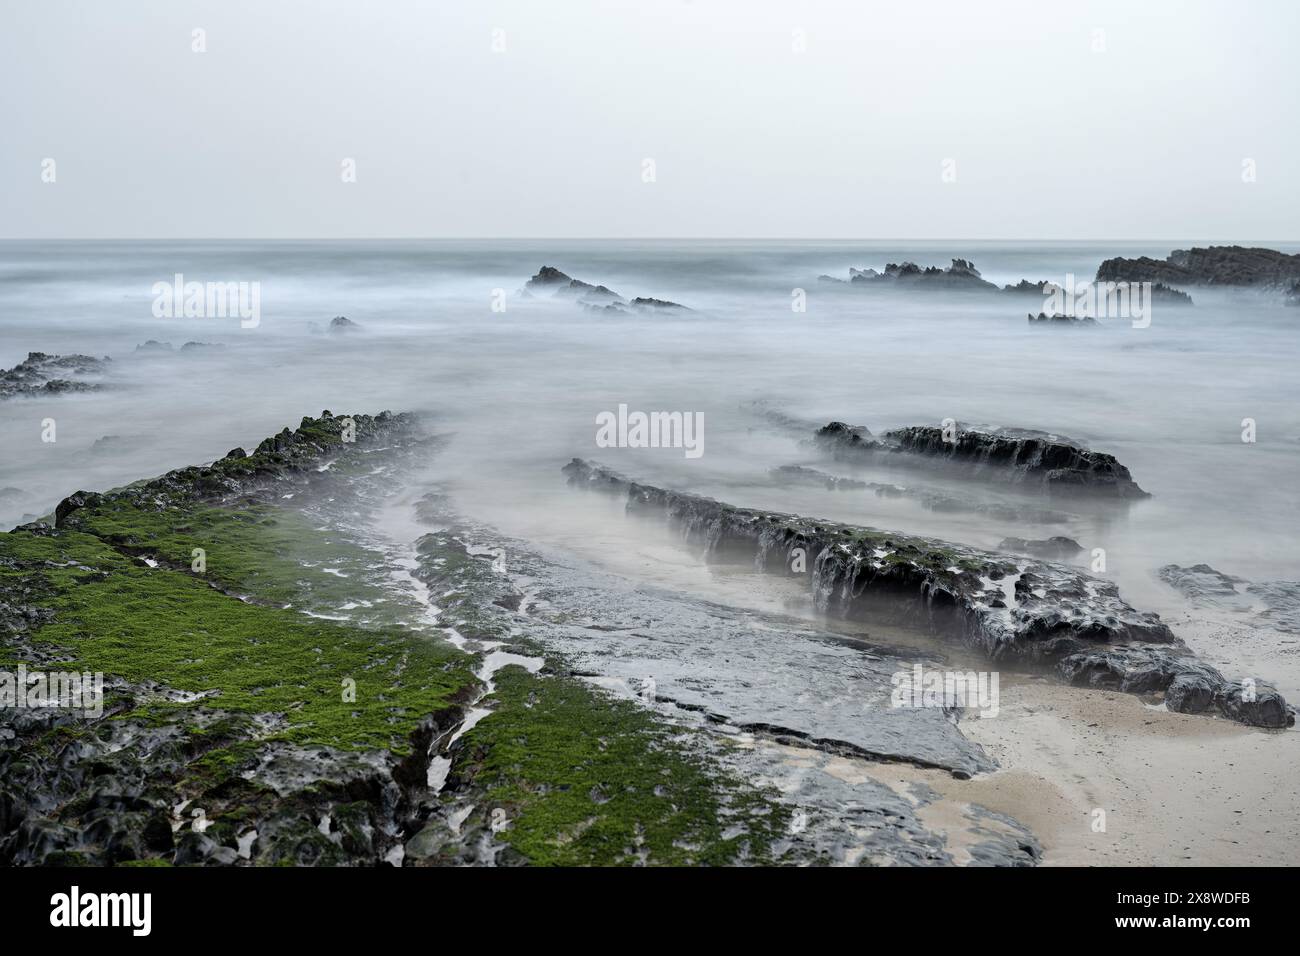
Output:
x=341 y=323
x=41 y=374
x=191 y=777
x=290 y=455
x=550 y=282
x=1214 y=265
x=1019 y=456
x=961 y=275
x=1017 y=611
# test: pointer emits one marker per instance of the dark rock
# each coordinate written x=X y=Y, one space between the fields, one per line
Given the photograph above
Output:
x=548 y=280
x=1014 y=455
x=71 y=503
x=1061 y=320
x=1031 y=612
x=599 y=299
x=43 y=374
x=342 y=324
x=961 y=275
x=1215 y=265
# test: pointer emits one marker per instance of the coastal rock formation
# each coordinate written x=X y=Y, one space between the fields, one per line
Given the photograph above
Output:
x=341 y=323
x=961 y=275
x=42 y=374
x=1015 y=455
x=1025 y=612
x=1215 y=265
x=551 y=282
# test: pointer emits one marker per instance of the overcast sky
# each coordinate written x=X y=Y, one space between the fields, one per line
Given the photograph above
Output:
x=763 y=119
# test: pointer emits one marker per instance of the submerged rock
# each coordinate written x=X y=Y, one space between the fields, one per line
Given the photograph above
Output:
x=1200 y=582
x=931 y=498
x=1029 y=612
x=1056 y=548
x=1015 y=455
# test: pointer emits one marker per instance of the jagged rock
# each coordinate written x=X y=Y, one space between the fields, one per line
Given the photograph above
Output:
x=1015 y=455
x=1215 y=265
x=1018 y=611
x=599 y=299
x=960 y=275
x=1056 y=548
x=342 y=324
x=548 y=280
x=153 y=345
x=43 y=374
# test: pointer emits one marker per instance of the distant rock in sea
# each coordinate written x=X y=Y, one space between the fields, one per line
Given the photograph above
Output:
x=551 y=282
x=44 y=374
x=1042 y=318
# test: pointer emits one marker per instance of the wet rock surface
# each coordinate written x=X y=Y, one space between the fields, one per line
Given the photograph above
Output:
x=784 y=702
x=1016 y=611
x=41 y=374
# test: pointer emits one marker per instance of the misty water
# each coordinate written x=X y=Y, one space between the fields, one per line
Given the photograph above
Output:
x=521 y=389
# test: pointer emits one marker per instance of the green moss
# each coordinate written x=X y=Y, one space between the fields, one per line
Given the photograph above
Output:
x=273 y=554
x=584 y=779
x=118 y=616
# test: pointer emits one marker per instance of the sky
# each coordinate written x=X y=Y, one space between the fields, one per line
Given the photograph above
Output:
x=1172 y=119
